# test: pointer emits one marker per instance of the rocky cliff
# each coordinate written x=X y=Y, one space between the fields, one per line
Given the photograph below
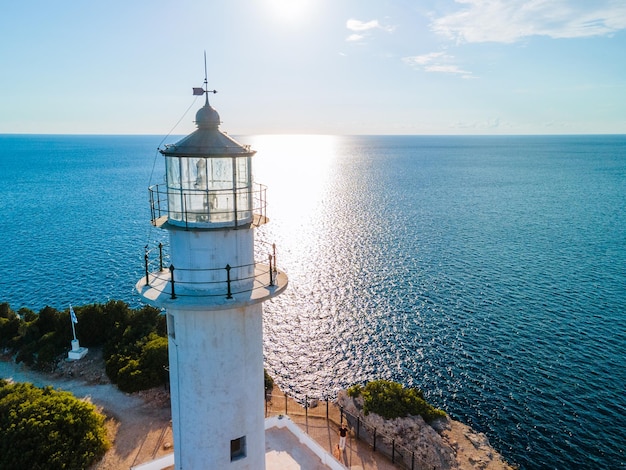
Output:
x=446 y=444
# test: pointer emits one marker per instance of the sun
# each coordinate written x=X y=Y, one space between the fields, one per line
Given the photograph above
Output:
x=289 y=11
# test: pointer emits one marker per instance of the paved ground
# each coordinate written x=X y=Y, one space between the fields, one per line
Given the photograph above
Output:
x=357 y=454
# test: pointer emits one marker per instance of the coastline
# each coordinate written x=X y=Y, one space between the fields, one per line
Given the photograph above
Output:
x=139 y=424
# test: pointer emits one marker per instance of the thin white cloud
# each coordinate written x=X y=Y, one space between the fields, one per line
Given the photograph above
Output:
x=437 y=62
x=508 y=21
x=357 y=25
x=355 y=37
x=363 y=28
x=424 y=59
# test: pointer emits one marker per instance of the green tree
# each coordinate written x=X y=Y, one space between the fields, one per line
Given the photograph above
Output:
x=43 y=428
x=391 y=400
x=9 y=326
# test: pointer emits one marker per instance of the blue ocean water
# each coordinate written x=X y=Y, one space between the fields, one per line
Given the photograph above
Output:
x=488 y=271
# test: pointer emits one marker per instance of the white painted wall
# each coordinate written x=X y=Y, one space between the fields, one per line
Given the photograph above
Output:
x=200 y=256
x=216 y=376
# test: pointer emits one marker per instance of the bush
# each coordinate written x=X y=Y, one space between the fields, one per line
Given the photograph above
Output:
x=41 y=339
x=9 y=325
x=391 y=400
x=48 y=429
x=149 y=370
x=269 y=382
x=355 y=391
x=134 y=342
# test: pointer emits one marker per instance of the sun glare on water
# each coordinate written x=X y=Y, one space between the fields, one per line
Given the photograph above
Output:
x=295 y=167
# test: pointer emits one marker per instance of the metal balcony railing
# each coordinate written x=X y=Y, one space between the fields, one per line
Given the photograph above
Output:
x=208 y=208
x=231 y=280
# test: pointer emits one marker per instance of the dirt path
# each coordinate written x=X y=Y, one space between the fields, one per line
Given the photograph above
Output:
x=139 y=424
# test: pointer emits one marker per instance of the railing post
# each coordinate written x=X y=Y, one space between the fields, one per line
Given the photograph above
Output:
x=285 y=404
x=413 y=460
x=326 y=407
x=393 y=451
x=374 y=440
x=172 y=281
x=145 y=258
x=358 y=426
x=160 y=256
x=306 y=412
x=271 y=272
x=229 y=294
x=274 y=250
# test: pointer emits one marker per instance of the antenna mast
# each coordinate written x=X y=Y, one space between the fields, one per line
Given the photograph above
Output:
x=206 y=83
x=204 y=90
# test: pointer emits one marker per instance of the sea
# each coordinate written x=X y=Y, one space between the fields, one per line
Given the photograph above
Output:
x=489 y=271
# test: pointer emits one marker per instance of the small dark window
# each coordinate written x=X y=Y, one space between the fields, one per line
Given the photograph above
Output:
x=238 y=448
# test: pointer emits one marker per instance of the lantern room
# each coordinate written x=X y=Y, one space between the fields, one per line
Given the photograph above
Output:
x=208 y=180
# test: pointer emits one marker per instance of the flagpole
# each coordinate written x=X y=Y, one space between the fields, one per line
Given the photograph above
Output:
x=72 y=321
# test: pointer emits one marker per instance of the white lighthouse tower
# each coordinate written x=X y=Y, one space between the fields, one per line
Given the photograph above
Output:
x=212 y=293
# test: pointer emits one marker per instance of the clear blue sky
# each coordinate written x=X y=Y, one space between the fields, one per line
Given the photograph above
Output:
x=315 y=66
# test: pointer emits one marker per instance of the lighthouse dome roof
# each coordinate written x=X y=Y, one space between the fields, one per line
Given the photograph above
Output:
x=207 y=140
x=207 y=117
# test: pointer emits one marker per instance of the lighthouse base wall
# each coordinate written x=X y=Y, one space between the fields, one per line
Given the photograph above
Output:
x=217 y=388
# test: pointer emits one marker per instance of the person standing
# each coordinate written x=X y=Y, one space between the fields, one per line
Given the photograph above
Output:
x=343 y=432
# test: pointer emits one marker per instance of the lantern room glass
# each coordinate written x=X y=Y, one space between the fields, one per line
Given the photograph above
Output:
x=205 y=191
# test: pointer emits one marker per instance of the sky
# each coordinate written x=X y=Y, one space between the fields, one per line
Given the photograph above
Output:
x=314 y=66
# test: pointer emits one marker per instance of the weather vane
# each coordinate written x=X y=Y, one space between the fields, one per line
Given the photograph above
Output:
x=204 y=90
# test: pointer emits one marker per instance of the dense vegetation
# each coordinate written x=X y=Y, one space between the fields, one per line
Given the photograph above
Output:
x=134 y=342
x=48 y=429
x=391 y=400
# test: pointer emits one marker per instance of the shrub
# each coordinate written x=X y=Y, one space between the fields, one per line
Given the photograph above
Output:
x=269 y=382
x=134 y=342
x=48 y=429
x=355 y=391
x=143 y=366
x=391 y=400
x=9 y=326
x=92 y=327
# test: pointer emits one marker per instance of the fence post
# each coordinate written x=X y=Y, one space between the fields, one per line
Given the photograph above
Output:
x=374 y=439
x=393 y=451
x=326 y=408
x=271 y=272
x=274 y=250
x=229 y=294
x=172 y=276
x=413 y=460
x=358 y=426
x=306 y=411
x=285 y=404
x=160 y=256
x=145 y=258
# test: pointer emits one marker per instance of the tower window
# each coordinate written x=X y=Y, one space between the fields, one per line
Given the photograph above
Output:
x=238 y=448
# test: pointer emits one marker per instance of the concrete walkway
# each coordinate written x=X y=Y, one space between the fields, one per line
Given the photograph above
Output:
x=358 y=455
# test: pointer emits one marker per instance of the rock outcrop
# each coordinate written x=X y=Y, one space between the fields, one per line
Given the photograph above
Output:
x=445 y=445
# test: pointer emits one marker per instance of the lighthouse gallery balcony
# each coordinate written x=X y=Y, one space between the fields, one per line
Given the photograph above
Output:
x=190 y=207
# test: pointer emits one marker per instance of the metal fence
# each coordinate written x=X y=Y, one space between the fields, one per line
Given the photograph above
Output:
x=384 y=444
x=325 y=408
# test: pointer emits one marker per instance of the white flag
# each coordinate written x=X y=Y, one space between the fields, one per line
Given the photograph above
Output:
x=73 y=315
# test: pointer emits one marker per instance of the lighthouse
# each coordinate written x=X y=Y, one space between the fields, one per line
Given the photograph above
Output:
x=212 y=288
